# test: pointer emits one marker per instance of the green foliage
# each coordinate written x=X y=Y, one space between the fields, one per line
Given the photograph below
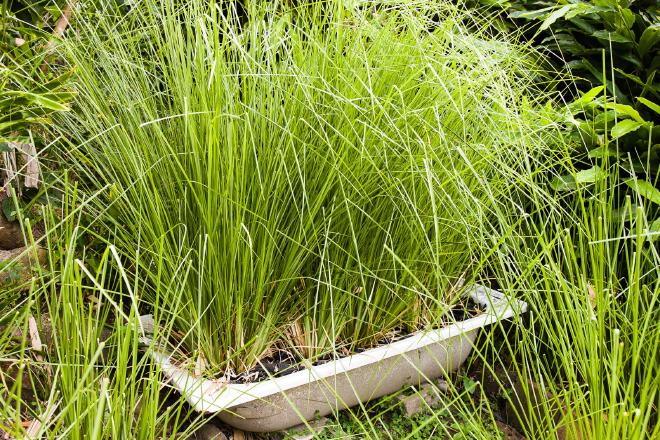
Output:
x=317 y=183
x=607 y=128
x=89 y=380
x=590 y=276
x=31 y=87
x=309 y=180
x=576 y=32
x=454 y=415
x=616 y=139
x=612 y=47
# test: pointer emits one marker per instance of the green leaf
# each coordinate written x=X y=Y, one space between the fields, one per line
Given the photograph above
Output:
x=566 y=43
x=570 y=182
x=59 y=81
x=563 y=183
x=559 y=13
x=581 y=9
x=8 y=209
x=5 y=147
x=530 y=15
x=632 y=59
x=650 y=104
x=644 y=189
x=48 y=103
x=624 y=127
x=583 y=25
x=654 y=230
x=614 y=37
x=40 y=100
x=607 y=4
x=604 y=119
x=630 y=76
x=603 y=151
x=627 y=18
x=650 y=37
x=623 y=109
x=624 y=213
x=469 y=385
x=592 y=175
x=589 y=96
x=11 y=124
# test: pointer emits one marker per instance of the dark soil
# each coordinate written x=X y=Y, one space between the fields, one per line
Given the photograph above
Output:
x=283 y=362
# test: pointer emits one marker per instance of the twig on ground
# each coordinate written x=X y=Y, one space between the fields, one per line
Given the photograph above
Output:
x=35 y=425
x=62 y=22
x=58 y=32
x=37 y=346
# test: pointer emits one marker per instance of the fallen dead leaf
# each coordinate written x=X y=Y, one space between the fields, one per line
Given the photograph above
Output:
x=591 y=292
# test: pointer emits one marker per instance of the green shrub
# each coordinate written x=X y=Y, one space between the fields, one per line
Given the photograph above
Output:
x=612 y=50
x=577 y=33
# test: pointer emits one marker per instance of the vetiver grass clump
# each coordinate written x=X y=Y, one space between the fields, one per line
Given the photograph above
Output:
x=303 y=178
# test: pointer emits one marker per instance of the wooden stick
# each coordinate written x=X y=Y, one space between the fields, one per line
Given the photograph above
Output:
x=9 y=159
x=29 y=154
x=62 y=22
x=34 y=429
x=58 y=31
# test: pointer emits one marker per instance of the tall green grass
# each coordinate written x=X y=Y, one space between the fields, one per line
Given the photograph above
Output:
x=586 y=363
x=303 y=178
x=89 y=378
x=311 y=179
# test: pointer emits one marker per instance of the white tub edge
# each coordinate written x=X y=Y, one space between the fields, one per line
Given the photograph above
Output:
x=212 y=396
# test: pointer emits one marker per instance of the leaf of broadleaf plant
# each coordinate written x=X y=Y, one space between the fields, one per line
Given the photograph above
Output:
x=650 y=37
x=50 y=104
x=604 y=119
x=654 y=230
x=570 y=182
x=556 y=15
x=11 y=124
x=603 y=151
x=563 y=183
x=581 y=9
x=627 y=17
x=644 y=189
x=623 y=109
x=566 y=43
x=631 y=77
x=614 y=37
x=610 y=5
x=632 y=59
x=583 y=25
x=589 y=96
x=624 y=127
x=8 y=209
x=592 y=175
x=650 y=104
x=530 y=15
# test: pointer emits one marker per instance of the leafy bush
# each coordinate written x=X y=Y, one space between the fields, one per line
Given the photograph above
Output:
x=578 y=32
x=609 y=43
x=611 y=48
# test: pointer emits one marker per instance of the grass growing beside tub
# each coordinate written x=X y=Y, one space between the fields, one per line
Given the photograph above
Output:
x=70 y=356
